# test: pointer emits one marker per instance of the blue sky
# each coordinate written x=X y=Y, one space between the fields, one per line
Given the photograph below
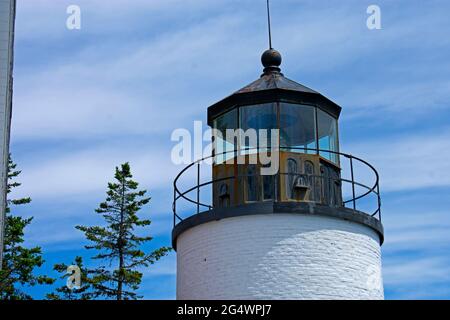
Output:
x=88 y=100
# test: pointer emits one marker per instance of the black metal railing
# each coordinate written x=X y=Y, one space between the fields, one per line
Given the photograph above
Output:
x=351 y=200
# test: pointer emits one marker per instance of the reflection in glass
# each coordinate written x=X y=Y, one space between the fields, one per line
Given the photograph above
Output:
x=327 y=132
x=221 y=145
x=263 y=116
x=297 y=128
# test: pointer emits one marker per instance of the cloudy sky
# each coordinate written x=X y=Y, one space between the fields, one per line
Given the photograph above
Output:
x=87 y=100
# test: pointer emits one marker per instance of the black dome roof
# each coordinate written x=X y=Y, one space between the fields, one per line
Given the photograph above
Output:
x=274 y=80
x=273 y=86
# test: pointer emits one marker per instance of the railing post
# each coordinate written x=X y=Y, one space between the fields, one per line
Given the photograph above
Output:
x=174 y=206
x=353 y=183
x=198 y=188
x=379 y=200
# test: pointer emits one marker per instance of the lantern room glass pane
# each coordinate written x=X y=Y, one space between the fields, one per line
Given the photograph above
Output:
x=257 y=117
x=298 y=128
x=328 y=138
x=224 y=148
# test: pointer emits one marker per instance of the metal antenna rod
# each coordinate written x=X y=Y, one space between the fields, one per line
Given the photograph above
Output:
x=268 y=22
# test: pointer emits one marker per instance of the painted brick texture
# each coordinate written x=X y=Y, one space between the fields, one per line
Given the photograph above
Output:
x=279 y=256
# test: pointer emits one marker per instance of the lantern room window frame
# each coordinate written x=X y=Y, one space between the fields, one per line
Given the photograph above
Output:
x=237 y=109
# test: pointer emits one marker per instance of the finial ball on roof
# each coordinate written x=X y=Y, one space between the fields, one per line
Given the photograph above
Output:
x=271 y=58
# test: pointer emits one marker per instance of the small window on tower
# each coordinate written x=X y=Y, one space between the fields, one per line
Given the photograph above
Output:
x=292 y=171
x=268 y=187
x=252 y=183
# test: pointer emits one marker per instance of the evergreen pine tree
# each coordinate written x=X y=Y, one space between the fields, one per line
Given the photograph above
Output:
x=117 y=243
x=19 y=262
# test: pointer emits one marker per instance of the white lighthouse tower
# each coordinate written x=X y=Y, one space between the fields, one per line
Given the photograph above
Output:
x=312 y=230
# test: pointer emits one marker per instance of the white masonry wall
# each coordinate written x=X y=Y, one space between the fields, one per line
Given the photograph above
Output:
x=279 y=256
x=7 y=13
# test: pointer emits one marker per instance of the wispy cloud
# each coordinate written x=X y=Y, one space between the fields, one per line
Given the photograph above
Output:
x=99 y=82
x=429 y=271
x=408 y=162
x=86 y=171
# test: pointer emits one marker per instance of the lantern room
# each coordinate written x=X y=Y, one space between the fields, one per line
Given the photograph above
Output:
x=306 y=146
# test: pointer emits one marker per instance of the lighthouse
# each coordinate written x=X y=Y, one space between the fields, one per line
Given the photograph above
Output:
x=311 y=230
x=284 y=214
